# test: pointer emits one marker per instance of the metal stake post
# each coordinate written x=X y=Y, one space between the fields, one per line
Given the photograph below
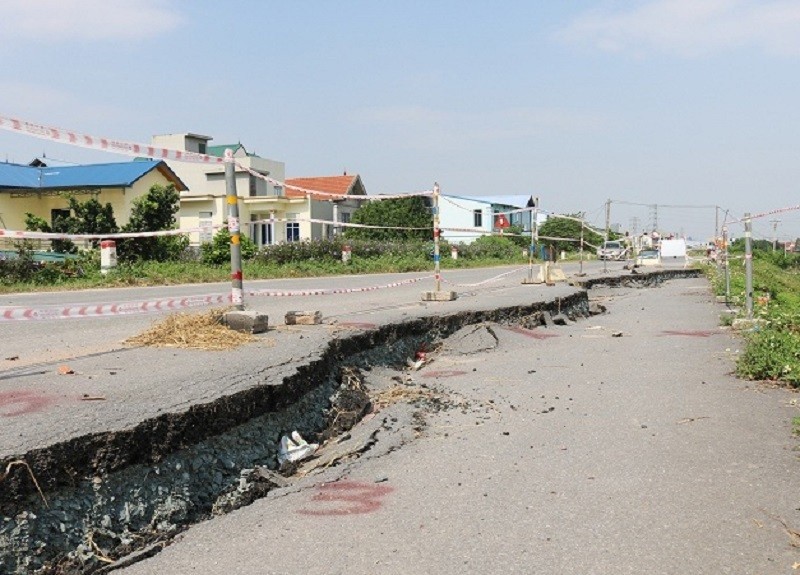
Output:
x=725 y=265
x=237 y=297
x=608 y=229
x=580 y=267
x=436 y=232
x=534 y=239
x=748 y=265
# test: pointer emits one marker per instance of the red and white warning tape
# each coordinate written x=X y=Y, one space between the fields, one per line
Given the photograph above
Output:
x=105 y=144
x=490 y=280
x=765 y=214
x=332 y=223
x=110 y=309
x=333 y=291
x=331 y=194
x=28 y=235
x=472 y=209
x=74 y=138
x=75 y=311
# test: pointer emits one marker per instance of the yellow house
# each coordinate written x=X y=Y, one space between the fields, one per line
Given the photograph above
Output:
x=42 y=190
x=270 y=211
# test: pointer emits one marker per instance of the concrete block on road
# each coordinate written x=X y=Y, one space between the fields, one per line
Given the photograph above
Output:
x=303 y=317
x=246 y=321
x=439 y=295
x=556 y=275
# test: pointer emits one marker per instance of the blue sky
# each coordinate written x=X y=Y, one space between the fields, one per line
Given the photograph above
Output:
x=675 y=103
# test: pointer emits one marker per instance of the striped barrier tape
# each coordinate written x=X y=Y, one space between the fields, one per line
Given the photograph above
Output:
x=105 y=144
x=333 y=223
x=333 y=291
x=764 y=214
x=466 y=209
x=77 y=311
x=29 y=235
x=111 y=145
x=275 y=182
x=490 y=280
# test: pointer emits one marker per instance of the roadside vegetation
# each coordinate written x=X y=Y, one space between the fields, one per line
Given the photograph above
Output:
x=170 y=260
x=292 y=260
x=772 y=351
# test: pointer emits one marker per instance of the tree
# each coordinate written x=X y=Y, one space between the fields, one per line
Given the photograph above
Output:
x=556 y=227
x=89 y=217
x=153 y=212
x=410 y=212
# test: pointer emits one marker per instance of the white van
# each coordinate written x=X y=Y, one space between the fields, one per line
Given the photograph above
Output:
x=612 y=250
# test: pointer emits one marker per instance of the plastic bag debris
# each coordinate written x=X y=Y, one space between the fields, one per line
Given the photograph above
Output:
x=295 y=448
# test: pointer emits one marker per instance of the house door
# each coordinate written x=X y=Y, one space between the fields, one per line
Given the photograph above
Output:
x=261 y=232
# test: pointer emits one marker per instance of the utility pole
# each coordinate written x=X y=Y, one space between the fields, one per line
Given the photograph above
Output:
x=654 y=217
x=237 y=297
x=774 y=233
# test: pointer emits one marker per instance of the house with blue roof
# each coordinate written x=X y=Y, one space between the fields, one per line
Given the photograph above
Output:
x=43 y=190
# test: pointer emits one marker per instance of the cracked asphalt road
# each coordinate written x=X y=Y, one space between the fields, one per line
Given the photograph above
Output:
x=581 y=453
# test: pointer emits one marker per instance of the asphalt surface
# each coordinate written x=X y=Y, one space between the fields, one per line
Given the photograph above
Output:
x=617 y=444
x=39 y=406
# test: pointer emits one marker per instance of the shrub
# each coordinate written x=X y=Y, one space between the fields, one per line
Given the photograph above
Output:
x=491 y=247
x=771 y=355
x=218 y=250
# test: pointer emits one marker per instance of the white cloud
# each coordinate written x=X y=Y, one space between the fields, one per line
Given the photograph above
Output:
x=692 y=28
x=431 y=129
x=49 y=21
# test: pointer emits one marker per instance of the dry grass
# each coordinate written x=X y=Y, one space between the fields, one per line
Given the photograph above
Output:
x=193 y=331
x=400 y=393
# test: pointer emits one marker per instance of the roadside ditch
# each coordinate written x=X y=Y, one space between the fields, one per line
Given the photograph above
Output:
x=84 y=505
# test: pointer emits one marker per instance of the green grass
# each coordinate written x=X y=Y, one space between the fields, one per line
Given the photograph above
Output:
x=173 y=273
x=772 y=351
x=796 y=425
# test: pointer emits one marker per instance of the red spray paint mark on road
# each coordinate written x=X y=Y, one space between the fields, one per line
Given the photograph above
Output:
x=348 y=498
x=13 y=403
x=443 y=373
x=531 y=333
x=357 y=325
x=690 y=333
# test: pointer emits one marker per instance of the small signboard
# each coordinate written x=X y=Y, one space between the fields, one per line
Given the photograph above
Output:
x=501 y=222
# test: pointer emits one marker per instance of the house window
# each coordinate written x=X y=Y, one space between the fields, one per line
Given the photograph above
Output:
x=206 y=229
x=278 y=190
x=292 y=228
x=477 y=218
x=345 y=217
x=292 y=232
x=253 y=189
x=59 y=215
x=201 y=147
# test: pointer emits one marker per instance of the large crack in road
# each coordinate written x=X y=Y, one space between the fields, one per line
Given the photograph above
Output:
x=101 y=501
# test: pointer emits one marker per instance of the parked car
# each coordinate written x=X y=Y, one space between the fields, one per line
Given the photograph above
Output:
x=648 y=258
x=612 y=250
